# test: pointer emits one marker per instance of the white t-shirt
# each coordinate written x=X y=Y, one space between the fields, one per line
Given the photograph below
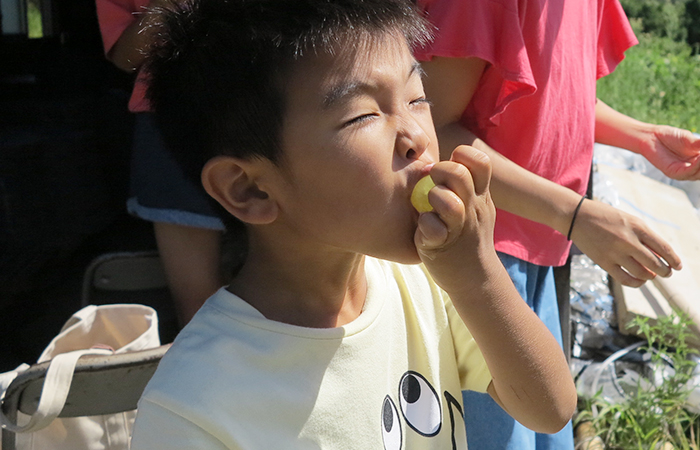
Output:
x=391 y=379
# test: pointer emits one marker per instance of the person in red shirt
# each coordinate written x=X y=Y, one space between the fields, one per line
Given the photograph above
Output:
x=187 y=228
x=517 y=79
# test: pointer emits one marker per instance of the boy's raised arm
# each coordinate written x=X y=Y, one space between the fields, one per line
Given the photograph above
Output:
x=531 y=379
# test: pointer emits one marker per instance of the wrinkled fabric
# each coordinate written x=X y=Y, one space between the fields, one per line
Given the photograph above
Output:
x=535 y=102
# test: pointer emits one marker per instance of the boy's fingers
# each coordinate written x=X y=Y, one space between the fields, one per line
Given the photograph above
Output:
x=478 y=163
x=444 y=223
x=455 y=177
x=448 y=205
x=431 y=232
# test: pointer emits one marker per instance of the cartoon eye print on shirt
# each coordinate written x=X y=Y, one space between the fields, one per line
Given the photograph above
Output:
x=391 y=425
x=420 y=408
x=420 y=404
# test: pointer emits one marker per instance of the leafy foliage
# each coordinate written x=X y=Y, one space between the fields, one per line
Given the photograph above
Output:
x=658 y=82
x=664 y=18
x=676 y=19
x=654 y=414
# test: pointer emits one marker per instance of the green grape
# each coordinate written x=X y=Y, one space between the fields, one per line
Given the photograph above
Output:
x=419 y=196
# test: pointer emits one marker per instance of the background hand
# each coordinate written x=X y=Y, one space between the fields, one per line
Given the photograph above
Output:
x=622 y=244
x=675 y=152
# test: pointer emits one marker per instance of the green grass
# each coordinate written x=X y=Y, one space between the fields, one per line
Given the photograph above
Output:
x=658 y=82
x=652 y=417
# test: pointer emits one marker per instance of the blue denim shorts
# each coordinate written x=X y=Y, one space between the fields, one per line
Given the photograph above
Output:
x=159 y=191
x=488 y=426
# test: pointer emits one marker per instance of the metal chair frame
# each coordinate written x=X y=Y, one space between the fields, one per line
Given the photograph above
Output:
x=102 y=384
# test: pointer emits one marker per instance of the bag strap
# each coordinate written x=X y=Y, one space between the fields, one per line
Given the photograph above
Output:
x=54 y=393
x=6 y=378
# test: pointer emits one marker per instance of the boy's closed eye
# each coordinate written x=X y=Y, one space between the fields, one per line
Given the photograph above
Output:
x=422 y=101
x=363 y=118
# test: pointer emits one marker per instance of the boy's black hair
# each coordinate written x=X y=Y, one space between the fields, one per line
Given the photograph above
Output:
x=217 y=71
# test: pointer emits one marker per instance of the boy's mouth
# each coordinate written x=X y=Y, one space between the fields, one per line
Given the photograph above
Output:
x=422 y=173
x=426 y=169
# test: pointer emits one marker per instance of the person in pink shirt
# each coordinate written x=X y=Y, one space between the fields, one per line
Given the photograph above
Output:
x=517 y=79
x=187 y=228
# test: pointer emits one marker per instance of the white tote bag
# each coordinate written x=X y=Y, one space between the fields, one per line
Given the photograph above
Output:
x=103 y=329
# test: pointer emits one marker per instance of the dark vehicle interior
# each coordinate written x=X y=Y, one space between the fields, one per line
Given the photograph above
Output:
x=65 y=137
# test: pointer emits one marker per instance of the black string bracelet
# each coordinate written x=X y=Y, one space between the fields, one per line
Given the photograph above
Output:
x=573 y=219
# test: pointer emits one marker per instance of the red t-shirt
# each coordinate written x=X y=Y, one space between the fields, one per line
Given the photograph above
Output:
x=535 y=102
x=114 y=16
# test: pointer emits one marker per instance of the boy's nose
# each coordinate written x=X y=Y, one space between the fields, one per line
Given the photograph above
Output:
x=411 y=140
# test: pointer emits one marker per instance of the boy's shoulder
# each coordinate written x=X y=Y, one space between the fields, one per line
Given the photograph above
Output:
x=231 y=370
x=228 y=336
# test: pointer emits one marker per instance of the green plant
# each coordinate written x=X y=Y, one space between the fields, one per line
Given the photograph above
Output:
x=692 y=13
x=653 y=414
x=664 y=18
x=658 y=82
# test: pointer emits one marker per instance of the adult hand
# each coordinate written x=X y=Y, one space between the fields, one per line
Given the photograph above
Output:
x=674 y=151
x=622 y=244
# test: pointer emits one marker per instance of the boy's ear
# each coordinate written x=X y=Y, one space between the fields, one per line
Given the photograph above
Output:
x=234 y=183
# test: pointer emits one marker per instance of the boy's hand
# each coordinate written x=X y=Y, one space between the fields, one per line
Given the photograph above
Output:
x=455 y=242
x=457 y=236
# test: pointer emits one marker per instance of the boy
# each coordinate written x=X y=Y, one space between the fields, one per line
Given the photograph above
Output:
x=313 y=130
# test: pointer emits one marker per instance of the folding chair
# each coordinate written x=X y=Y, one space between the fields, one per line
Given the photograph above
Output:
x=102 y=384
x=132 y=277
x=112 y=276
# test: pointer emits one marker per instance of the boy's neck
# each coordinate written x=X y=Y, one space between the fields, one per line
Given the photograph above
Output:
x=314 y=289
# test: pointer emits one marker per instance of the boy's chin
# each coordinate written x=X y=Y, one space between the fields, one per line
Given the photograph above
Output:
x=408 y=257
x=402 y=251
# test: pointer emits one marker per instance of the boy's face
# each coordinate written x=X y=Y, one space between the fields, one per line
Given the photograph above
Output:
x=357 y=136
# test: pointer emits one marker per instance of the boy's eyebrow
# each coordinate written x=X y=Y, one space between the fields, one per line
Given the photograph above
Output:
x=353 y=89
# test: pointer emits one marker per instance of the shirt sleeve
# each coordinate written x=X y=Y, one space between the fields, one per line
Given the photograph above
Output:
x=114 y=16
x=474 y=374
x=615 y=36
x=489 y=30
x=158 y=428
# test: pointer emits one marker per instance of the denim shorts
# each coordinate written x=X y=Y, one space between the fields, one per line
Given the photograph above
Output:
x=488 y=426
x=159 y=191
